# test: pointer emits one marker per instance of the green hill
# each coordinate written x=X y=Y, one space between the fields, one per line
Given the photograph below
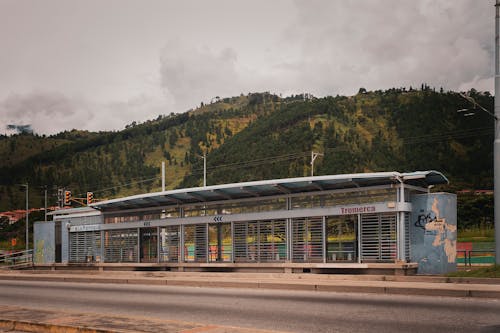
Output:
x=260 y=136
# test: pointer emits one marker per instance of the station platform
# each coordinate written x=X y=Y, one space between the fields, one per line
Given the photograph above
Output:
x=401 y=268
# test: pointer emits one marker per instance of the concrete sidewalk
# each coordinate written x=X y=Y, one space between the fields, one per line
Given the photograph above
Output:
x=15 y=319
x=403 y=285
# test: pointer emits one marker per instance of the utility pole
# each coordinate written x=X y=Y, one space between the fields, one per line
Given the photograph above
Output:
x=496 y=144
x=45 y=192
x=313 y=157
x=204 y=157
x=163 y=176
x=27 y=215
x=204 y=168
x=27 y=218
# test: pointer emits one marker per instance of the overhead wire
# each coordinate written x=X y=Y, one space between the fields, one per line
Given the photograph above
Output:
x=256 y=162
x=457 y=134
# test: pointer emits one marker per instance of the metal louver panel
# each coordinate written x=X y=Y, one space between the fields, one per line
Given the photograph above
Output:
x=169 y=251
x=378 y=237
x=307 y=239
x=200 y=243
x=260 y=241
x=195 y=243
x=120 y=245
x=407 y=237
x=388 y=236
x=271 y=235
x=85 y=246
x=245 y=242
x=370 y=237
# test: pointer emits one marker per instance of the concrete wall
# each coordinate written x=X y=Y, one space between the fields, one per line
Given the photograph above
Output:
x=433 y=232
x=44 y=237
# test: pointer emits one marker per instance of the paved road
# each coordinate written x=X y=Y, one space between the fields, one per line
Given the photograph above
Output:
x=294 y=311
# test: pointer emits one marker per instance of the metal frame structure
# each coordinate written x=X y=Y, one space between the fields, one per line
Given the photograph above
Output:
x=338 y=219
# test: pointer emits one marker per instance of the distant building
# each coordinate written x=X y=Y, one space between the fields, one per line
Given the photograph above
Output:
x=475 y=192
x=19 y=214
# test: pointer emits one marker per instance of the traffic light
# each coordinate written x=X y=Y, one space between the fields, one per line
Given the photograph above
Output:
x=67 y=198
x=90 y=197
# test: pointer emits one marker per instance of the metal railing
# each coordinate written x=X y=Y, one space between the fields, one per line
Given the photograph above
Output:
x=15 y=260
x=477 y=257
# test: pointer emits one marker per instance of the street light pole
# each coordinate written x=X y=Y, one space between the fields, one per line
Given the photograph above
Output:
x=45 y=204
x=313 y=158
x=163 y=176
x=27 y=215
x=496 y=144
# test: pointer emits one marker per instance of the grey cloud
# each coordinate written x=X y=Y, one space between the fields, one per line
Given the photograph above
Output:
x=193 y=74
x=49 y=112
x=46 y=111
x=324 y=47
x=47 y=103
x=344 y=45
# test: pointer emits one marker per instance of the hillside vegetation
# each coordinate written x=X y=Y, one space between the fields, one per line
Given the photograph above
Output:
x=262 y=136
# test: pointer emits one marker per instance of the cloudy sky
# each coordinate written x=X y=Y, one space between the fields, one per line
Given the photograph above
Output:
x=101 y=64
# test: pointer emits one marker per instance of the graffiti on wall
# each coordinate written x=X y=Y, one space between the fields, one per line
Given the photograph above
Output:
x=423 y=219
x=444 y=233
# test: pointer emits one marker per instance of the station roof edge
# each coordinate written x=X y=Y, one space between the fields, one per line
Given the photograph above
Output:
x=272 y=187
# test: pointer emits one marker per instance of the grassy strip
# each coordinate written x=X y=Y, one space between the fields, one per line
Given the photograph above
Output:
x=483 y=272
x=476 y=234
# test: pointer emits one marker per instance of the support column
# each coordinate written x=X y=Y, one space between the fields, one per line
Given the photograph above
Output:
x=325 y=240
x=158 y=244
x=103 y=259
x=288 y=231
x=181 y=244
x=401 y=239
x=359 y=238
x=139 y=245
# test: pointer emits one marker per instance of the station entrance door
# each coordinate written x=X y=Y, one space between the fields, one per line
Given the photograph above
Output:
x=149 y=244
x=220 y=242
x=342 y=242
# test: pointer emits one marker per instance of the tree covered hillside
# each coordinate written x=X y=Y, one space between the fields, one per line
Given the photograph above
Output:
x=372 y=131
x=260 y=136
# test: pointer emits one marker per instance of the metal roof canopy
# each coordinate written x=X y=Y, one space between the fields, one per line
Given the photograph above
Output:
x=71 y=211
x=262 y=189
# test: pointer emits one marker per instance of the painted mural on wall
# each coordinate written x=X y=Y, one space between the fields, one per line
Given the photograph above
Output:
x=434 y=233
x=445 y=234
x=44 y=243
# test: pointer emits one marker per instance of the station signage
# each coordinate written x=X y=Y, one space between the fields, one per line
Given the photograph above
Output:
x=357 y=210
x=85 y=227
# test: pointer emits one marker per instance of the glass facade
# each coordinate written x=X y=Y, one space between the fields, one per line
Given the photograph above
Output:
x=362 y=236
x=342 y=238
x=344 y=198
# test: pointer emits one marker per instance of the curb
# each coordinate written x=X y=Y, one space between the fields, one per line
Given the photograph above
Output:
x=27 y=326
x=451 y=289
